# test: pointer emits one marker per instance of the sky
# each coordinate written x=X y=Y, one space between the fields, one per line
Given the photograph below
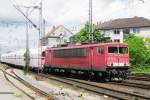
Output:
x=74 y=12
x=71 y=13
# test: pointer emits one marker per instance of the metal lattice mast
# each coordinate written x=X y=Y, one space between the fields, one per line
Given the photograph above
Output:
x=40 y=35
x=90 y=22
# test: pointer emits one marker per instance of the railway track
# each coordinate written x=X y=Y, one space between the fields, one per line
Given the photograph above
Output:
x=27 y=84
x=139 y=77
x=17 y=86
x=90 y=86
x=135 y=83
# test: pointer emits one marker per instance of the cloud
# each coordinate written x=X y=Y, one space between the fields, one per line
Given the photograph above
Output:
x=69 y=11
x=76 y=11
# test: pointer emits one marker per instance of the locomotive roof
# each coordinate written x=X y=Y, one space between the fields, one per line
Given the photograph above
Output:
x=89 y=45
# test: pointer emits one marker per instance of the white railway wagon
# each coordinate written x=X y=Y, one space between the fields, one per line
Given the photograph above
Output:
x=17 y=58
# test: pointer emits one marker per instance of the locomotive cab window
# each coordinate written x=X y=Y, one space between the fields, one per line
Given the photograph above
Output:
x=123 y=50
x=100 y=50
x=113 y=50
x=118 y=50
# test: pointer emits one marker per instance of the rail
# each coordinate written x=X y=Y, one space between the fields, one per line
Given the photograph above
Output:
x=27 y=84
x=98 y=89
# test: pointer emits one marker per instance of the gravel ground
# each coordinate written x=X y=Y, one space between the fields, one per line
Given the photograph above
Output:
x=65 y=92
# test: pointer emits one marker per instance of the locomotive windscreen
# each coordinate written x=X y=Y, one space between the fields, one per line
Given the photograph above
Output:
x=118 y=50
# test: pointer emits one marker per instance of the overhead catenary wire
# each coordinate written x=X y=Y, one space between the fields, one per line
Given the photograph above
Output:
x=26 y=17
x=40 y=28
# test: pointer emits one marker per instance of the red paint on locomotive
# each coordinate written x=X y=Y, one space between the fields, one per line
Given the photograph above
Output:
x=92 y=57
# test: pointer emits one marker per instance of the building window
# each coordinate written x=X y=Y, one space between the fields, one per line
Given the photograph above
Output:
x=57 y=39
x=136 y=30
x=126 y=31
x=106 y=34
x=117 y=40
x=116 y=31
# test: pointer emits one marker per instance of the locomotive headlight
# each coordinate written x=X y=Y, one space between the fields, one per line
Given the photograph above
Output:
x=108 y=64
x=127 y=64
x=112 y=64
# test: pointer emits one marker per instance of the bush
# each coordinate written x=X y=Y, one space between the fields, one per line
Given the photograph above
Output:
x=140 y=69
x=139 y=53
x=27 y=61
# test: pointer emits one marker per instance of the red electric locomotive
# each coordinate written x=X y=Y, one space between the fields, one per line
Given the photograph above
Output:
x=106 y=60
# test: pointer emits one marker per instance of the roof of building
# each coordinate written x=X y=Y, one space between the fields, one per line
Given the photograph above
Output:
x=124 y=23
x=52 y=32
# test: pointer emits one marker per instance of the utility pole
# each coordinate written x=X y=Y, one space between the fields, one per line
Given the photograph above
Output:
x=0 y=52
x=27 y=43
x=44 y=23
x=40 y=28
x=40 y=35
x=27 y=52
x=90 y=22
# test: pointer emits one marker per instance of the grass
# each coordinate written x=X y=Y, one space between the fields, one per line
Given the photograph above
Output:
x=18 y=95
x=140 y=69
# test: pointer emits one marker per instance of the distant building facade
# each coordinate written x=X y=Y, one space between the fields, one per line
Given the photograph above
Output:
x=57 y=36
x=118 y=29
x=73 y=39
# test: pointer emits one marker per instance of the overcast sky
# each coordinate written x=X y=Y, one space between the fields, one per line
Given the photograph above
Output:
x=72 y=12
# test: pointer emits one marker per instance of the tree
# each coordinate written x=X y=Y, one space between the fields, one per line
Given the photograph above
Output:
x=27 y=61
x=138 y=51
x=83 y=35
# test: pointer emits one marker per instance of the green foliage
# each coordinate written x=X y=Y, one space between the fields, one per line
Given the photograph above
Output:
x=139 y=53
x=147 y=42
x=83 y=35
x=140 y=69
x=27 y=61
x=147 y=39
